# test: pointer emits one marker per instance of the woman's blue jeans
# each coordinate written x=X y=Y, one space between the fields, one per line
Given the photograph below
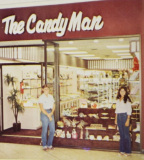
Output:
x=47 y=124
x=125 y=140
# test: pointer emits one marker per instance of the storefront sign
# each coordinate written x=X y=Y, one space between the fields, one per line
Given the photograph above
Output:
x=58 y=25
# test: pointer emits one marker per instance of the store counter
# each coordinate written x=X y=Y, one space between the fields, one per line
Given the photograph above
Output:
x=30 y=119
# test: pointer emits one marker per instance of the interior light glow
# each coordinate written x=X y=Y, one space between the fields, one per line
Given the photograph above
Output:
x=75 y=52
x=124 y=54
x=91 y=55
x=118 y=47
x=111 y=58
x=96 y=41
x=126 y=57
x=120 y=51
x=70 y=42
x=63 y=49
x=91 y=58
x=121 y=39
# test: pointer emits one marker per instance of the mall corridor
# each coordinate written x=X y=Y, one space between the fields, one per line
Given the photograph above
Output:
x=20 y=151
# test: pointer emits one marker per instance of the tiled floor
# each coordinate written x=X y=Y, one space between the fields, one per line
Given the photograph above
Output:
x=18 y=151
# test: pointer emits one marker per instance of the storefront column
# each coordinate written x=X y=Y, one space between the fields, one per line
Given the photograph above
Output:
x=45 y=60
x=56 y=86
x=142 y=84
x=56 y=78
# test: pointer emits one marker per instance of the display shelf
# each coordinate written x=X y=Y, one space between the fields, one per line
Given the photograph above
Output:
x=100 y=131
x=31 y=88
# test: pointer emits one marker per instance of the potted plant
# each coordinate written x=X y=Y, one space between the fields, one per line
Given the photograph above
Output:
x=13 y=99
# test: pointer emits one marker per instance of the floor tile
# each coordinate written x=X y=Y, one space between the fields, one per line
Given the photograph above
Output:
x=19 y=151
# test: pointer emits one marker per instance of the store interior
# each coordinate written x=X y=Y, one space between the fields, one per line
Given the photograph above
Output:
x=90 y=74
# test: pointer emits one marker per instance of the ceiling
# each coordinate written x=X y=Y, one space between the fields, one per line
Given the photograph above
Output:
x=100 y=48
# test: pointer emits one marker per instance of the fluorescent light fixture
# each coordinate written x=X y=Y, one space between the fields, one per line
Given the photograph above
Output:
x=121 y=39
x=91 y=55
x=25 y=60
x=63 y=49
x=111 y=58
x=96 y=41
x=70 y=42
x=69 y=67
x=91 y=58
x=75 y=52
x=124 y=54
x=68 y=48
x=126 y=57
x=119 y=46
x=120 y=51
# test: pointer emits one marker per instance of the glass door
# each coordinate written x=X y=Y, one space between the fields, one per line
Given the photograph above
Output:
x=51 y=72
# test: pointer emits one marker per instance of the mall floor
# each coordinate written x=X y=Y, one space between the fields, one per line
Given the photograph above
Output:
x=21 y=151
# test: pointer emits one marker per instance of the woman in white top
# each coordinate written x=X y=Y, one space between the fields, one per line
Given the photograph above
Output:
x=47 y=106
x=122 y=119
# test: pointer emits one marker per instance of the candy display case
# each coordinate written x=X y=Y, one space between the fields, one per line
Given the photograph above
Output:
x=95 y=128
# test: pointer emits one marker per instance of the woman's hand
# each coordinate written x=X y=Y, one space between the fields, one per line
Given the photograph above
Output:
x=49 y=116
x=127 y=122
x=115 y=120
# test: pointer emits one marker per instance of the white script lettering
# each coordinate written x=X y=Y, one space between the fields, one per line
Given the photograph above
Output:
x=12 y=26
x=86 y=24
x=58 y=25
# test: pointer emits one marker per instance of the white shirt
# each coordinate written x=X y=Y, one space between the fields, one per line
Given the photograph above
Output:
x=46 y=101
x=122 y=107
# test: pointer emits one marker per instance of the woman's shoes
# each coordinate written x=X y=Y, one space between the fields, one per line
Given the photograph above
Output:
x=125 y=154
x=45 y=149
x=48 y=148
x=121 y=153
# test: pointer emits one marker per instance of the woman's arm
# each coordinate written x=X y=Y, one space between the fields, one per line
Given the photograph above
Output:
x=127 y=121
x=129 y=110
x=45 y=112
x=53 y=109
x=115 y=118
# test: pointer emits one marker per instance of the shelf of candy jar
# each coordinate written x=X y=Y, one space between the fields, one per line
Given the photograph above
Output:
x=30 y=88
x=69 y=105
x=95 y=124
x=99 y=89
x=84 y=124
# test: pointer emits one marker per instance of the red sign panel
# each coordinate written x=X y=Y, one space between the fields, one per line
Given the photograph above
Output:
x=71 y=21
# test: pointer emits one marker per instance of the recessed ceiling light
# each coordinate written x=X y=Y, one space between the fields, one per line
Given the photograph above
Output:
x=121 y=39
x=75 y=52
x=120 y=51
x=119 y=46
x=96 y=41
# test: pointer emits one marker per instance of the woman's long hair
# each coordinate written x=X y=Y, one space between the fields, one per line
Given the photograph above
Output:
x=126 y=97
